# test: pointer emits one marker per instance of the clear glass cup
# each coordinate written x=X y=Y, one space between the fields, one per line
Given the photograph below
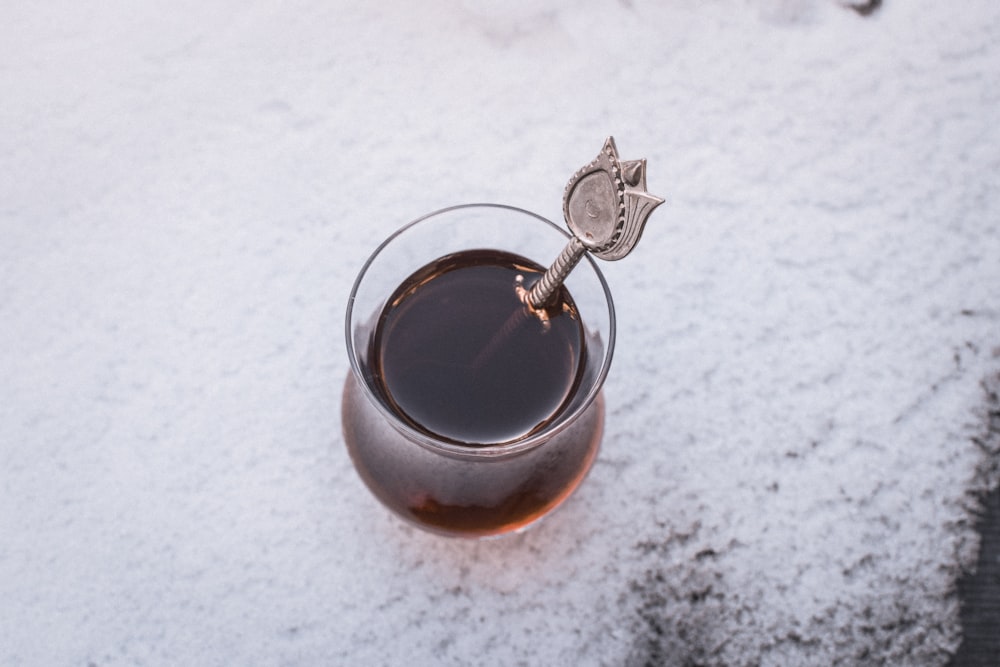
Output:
x=442 y=485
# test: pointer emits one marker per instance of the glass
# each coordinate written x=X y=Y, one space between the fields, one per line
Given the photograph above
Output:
x=440 y=484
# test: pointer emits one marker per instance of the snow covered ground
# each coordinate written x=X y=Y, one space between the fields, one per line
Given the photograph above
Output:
x=807 y=332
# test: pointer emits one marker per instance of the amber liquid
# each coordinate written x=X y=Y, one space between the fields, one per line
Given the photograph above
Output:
x=456 y=355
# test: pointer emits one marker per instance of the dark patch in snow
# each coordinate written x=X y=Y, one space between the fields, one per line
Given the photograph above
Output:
x=979 y=590
x=862 y=7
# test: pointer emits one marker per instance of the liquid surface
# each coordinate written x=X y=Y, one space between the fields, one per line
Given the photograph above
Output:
x=459 y=356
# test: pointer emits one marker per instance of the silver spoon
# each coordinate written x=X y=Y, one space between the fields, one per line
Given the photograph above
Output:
x=606 y=207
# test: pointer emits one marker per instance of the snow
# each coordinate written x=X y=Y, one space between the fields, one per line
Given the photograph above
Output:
x=796 y=427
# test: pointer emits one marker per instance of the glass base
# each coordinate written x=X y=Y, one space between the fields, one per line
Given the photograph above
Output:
x=474 y=495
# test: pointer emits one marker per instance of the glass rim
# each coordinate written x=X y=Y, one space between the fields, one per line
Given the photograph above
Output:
x=490 y=450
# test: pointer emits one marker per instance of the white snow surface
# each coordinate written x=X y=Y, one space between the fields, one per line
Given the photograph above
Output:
x=795 y=430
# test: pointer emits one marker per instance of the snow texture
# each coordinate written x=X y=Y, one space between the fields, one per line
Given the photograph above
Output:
x=798 y=415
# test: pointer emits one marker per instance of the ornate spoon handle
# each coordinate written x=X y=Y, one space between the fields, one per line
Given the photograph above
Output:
x=606 y=207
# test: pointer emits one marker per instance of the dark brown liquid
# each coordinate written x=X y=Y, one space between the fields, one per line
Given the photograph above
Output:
x=459 y=356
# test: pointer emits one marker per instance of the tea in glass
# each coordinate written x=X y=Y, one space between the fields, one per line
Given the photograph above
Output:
x=467 y=412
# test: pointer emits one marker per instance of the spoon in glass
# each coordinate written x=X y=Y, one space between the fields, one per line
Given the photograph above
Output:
x=606 y=207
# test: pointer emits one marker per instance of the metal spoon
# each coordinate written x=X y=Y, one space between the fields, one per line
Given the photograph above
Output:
x=606 y=207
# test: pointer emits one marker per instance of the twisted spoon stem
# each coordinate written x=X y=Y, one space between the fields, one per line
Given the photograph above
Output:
x=542 y=291
x=535 y=299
